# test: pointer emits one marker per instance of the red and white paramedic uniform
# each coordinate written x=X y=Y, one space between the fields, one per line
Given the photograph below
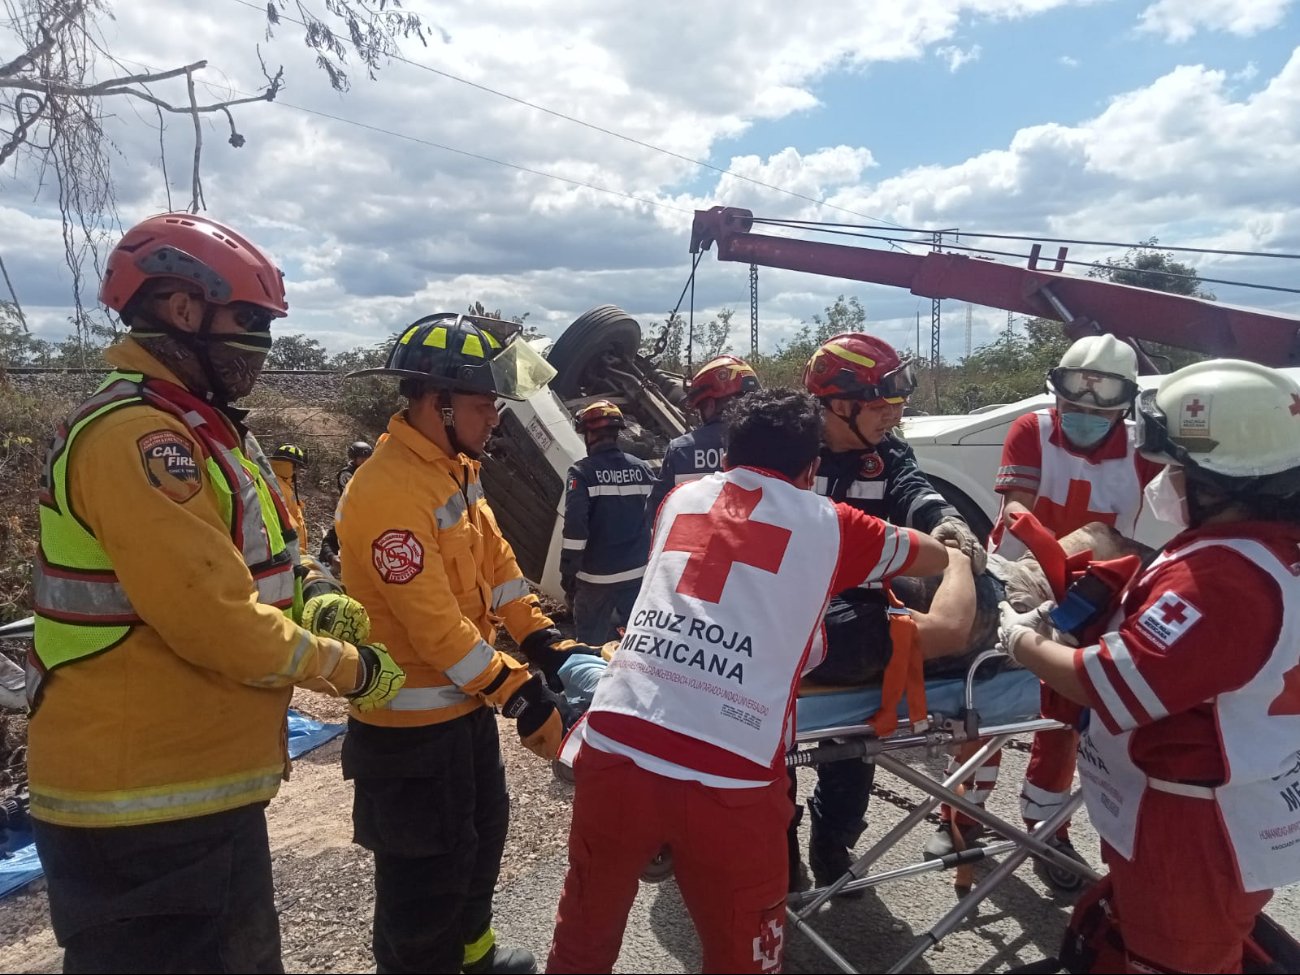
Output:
x=1071 y=488
x=1191 y=760
x=685 y=740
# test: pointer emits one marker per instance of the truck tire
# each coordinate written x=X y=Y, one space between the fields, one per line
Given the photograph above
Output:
x=605 y=328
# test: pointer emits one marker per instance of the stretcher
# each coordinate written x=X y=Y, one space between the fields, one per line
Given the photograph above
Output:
x=988 y=702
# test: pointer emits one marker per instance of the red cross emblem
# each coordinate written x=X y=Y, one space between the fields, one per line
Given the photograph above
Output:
x=1288 y=702
x=1173 y=613
x=767 y=946
x=1195 y=407
x=1295 y=404
x=1074 y=514
x=724 y=536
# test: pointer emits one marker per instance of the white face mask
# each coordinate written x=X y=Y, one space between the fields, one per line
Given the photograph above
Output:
x=1165 y=501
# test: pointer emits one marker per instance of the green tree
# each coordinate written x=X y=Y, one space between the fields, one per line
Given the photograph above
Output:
x=297 y=352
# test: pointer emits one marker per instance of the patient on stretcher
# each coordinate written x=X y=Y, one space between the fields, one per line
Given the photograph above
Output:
x=955 y=614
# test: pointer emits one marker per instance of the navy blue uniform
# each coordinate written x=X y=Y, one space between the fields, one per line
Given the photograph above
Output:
x=885 y=482
x=606 y=540
x=688 y=457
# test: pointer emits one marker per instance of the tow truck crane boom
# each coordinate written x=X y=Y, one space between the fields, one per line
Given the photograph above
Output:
x=1084 y=306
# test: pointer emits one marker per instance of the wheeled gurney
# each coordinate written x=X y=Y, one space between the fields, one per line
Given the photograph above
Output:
x=987 y=702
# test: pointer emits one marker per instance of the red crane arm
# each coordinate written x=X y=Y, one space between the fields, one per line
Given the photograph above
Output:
x=1083 y=305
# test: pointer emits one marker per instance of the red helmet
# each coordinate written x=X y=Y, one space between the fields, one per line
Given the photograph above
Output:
x=727 y=375
x=227 y=268
x=856 y=366
x=599 y=415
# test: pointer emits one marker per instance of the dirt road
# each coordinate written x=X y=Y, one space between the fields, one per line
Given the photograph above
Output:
x=324 y=886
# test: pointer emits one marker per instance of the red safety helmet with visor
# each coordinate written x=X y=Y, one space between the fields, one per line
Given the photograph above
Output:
x=859 y=367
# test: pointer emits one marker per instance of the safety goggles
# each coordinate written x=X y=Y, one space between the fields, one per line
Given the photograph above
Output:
x=1106 y=391
x=897 y=385
x=1153 y=431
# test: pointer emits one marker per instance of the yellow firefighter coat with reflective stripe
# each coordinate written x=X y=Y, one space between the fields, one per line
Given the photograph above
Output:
x=422 y=551
x=186 y=714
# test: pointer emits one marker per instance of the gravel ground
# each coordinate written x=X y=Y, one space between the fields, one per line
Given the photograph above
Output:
x=324 y=886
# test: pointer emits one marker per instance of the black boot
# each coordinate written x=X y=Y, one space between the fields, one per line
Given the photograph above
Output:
x=503 y=961
x=830 y=854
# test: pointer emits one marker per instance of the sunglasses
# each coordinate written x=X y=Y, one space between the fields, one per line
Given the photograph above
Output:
x=1106 y=391
x=251 y=318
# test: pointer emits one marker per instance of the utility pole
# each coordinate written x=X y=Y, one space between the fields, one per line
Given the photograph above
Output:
x=753 y=310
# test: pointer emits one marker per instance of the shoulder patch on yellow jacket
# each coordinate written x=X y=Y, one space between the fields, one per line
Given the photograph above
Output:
x=398 y=556
x=170 y=464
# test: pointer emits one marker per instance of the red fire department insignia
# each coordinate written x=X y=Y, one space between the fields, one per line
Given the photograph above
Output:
x=872 y=466
x=398 y=556
x=169 y=464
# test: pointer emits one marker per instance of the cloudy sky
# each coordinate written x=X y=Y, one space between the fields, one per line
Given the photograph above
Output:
x=416 y=192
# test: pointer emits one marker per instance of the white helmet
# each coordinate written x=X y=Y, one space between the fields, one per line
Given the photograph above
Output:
x=1098 y=371
x=1225 y=416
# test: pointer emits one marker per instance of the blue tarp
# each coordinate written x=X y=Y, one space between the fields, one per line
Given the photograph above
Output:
x=19 y=865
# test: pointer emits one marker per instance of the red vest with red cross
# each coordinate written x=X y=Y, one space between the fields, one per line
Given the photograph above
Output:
x=1075 y=489
x=739 y=575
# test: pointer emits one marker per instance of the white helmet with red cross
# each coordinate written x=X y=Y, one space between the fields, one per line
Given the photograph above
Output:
x=1224 y=416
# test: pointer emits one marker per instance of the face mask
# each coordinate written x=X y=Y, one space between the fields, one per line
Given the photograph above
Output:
x=1085 y=429
x=237 y=361
x=1165 y=502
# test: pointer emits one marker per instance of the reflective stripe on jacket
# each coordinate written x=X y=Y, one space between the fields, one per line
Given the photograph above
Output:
x=606 y=538
x=421 y=550
x=170 y=660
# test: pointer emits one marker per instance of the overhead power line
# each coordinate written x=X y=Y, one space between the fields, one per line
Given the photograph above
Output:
x=632 y=140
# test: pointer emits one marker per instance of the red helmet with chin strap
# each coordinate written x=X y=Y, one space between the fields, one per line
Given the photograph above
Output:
x=860 y=367
x=726 y=375
x=224 y=266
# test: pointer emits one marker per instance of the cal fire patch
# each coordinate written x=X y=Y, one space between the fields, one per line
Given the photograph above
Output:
x=169 y=464
x=398 y=556
x=1166 y=620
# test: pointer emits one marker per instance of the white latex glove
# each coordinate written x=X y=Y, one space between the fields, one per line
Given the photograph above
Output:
x=956 y=532
x=1013 y=625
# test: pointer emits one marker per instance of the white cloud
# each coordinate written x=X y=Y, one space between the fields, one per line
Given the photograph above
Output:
x=1179 y=20
x=957 y=57
x=376 y=229
x=1065 y=60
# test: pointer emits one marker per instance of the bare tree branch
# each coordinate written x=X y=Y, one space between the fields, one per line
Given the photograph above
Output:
x=52 y=111
x=196 y=184
x=13 y=295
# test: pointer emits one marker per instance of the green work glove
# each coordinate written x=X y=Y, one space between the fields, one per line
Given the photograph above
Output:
x=334 y=614
x=380 y=678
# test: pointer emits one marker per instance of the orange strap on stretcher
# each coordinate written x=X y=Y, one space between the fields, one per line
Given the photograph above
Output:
x=904 y=674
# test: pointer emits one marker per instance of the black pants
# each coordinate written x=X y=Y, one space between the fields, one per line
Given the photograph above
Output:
x=193 y=895
x=431 y=804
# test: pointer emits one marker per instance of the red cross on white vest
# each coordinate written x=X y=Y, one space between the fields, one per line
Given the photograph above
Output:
x=1074 y=514
x=1173 y=612
x=724 y=536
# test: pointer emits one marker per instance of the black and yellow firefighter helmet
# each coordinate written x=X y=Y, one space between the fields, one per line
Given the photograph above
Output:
x=455 y=352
